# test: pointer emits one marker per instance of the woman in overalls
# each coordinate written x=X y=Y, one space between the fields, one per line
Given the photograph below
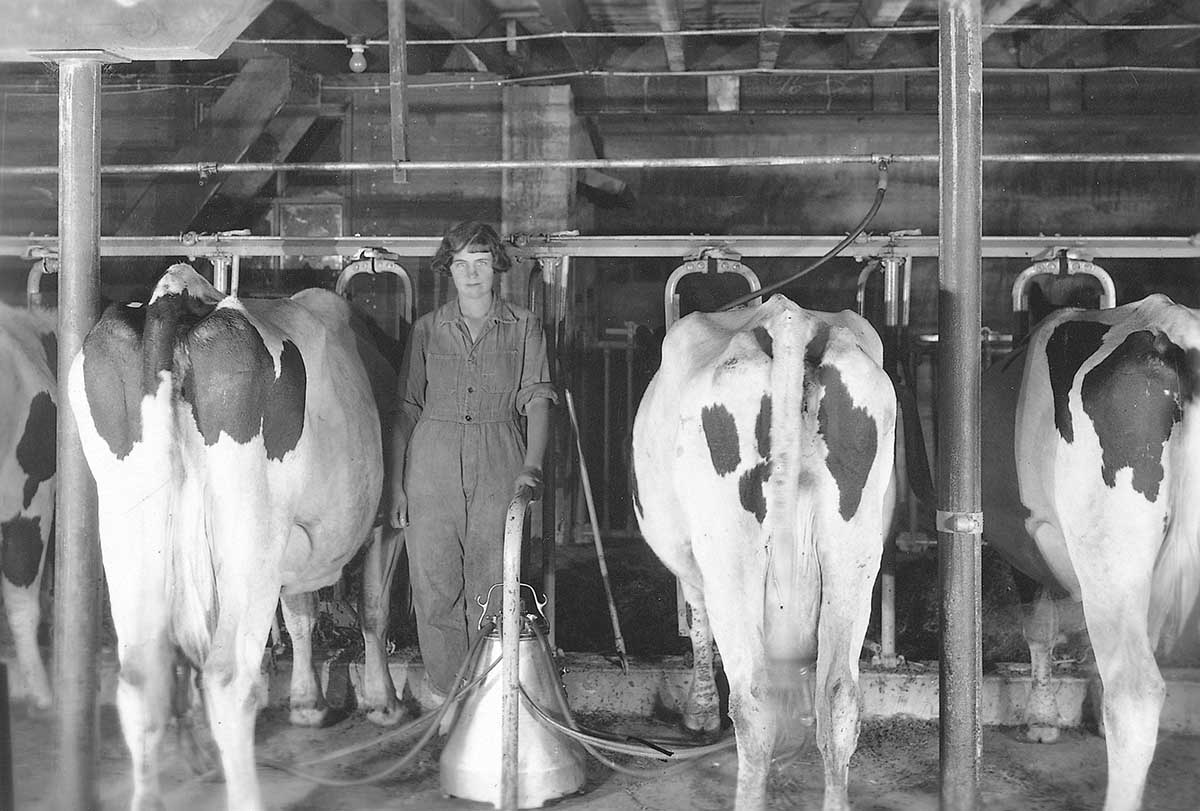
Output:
x=474 y=370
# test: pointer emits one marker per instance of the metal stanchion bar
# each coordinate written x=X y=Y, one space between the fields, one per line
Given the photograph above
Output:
x=623 y=246
x=207 y=169
x=960 y=117
x=510 y=637
x=7 y=802
x=77 y=575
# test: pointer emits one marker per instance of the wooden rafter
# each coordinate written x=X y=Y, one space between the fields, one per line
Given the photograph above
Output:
x=998 y=12
x=1053 y=48
x=233 y=124
x=464 y=18
x=352 y=19
x=549 y=16
x=877 y=14
x=774 y=13
x=668 y=15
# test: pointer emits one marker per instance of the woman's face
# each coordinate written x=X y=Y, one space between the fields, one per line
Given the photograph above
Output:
x=472 y=272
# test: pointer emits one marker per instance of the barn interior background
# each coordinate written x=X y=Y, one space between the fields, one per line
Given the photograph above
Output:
x=311 y=82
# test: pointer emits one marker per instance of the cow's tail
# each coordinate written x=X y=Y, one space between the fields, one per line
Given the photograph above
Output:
x=792 y=591
x=1176 y=583
x=182 y=299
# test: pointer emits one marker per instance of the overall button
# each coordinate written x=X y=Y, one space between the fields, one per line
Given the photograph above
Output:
x=470 y=389
x=467 y=418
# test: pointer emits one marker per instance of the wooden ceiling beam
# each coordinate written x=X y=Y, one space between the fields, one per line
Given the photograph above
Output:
x=998 y=12
x=774 y=13
x=366 y=19
x=550 y=16
x=464 y=19
x=234 y=123
x=877 y=14
x=1047 y=48
x=668 y=15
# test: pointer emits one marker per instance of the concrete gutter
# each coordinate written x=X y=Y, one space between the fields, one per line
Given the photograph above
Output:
x=658 y=685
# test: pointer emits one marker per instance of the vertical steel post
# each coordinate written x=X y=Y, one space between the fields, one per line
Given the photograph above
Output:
x=7 y=802
x=77 y=563
x=398 y=80
x=959 y=523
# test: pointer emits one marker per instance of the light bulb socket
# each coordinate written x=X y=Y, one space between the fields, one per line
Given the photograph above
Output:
x=358 y=59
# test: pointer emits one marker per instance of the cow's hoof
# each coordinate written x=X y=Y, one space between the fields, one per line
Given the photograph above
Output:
x=387 y=716
x=701 y=726
x=147 y=802
x=1041 y=733
x=307 y=716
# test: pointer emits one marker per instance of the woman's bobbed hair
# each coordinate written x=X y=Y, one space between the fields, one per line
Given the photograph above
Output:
x=477 y=235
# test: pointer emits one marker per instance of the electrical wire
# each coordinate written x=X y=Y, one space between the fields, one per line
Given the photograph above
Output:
x=756 y=30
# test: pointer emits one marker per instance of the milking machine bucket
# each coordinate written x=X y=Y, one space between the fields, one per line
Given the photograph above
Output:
x=549 y=764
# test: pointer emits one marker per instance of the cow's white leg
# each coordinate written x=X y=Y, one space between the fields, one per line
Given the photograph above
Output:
x=24 y=614
x=1134 y=692
x=306 y=699
x=845 y=612
x=702 y=707
x=232 y=681
x=143 y=703
x=379 y=568
x=1040 y=627
x=735 y=625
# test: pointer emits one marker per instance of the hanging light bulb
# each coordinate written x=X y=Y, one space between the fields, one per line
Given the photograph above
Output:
x=358 y=61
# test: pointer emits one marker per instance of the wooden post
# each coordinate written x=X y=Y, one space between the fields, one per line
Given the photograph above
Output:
x=537 y=125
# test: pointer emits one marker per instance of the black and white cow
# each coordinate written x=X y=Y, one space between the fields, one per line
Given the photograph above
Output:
x=28 y=420
x=237 y=454
x=763 y=462
x=1094 y=490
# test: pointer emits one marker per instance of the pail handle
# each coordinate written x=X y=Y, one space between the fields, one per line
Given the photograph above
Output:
x=485 y=602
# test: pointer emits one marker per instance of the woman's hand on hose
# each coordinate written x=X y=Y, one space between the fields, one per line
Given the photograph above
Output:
x=531 y=477
x=396 y=505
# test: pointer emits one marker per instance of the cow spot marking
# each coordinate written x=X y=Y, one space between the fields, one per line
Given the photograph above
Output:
x=1068 y=347
x=36 y=448
x=720 y=433
x=112 y=370
x=233 y=388
x=765 y=342
x=762 y=427
x=1134 y=398
x=850 y=435
x=21 y=555
x=752 y=490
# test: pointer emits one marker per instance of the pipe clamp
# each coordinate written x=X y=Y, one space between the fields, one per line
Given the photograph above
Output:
x=963 y=523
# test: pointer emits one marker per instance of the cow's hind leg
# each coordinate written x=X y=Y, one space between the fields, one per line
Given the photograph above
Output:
x=24 y=614
x=379 y=568
x=307 y=702
x=143 y=703
x=1040 y=627
x=1134 y=692
x=847 y=582
x=701 y=712
x=233 y=684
